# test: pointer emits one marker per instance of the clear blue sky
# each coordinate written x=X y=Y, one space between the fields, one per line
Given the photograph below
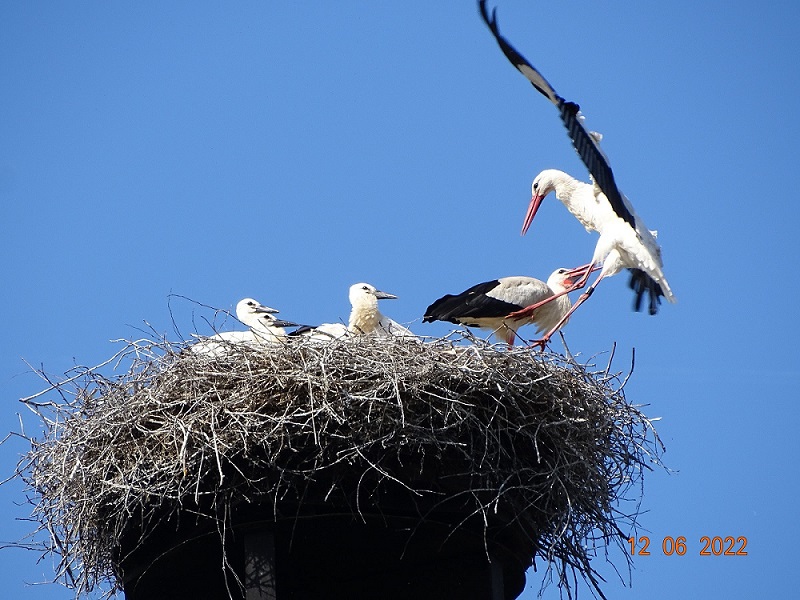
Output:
x=256 y=149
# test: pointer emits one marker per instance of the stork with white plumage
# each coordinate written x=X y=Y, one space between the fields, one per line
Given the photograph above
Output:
x=263 y=328
x=262 y=321
x=365 y=318
x=619 y=246
x=625 y=241
x=487 y=305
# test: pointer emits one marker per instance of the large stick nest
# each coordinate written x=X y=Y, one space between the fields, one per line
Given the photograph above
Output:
x=505 y=436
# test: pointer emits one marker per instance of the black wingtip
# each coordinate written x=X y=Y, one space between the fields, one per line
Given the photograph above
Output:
x=440 y=310
x=483 y=11
x=641 y=283
x=491 y=22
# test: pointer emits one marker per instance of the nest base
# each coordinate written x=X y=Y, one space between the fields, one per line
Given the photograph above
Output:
x=337 y=557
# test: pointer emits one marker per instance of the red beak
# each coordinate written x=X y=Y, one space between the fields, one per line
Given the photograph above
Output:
x=583 y=268
x=575 y=274
x=532 y=208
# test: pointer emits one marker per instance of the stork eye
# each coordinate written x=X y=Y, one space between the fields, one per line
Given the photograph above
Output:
x=536 y=185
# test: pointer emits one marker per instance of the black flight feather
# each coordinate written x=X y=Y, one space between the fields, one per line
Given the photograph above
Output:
x=642 y=283
x=472 y=303
x=584 y=144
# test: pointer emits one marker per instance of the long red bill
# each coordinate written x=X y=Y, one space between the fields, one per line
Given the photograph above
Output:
x=532 y=208
x=575 y=275
x=582 y=270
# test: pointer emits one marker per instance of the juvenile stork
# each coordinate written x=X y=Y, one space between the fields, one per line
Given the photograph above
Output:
x=262 y=321
x=625 y=241
x=264 y=328
x=487 y=305
x=365 y=318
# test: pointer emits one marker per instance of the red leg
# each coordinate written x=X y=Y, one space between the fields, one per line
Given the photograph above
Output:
x=590 y=268
x=511 y=336
x=526 y=312
x=583 y=298
x=505 y=333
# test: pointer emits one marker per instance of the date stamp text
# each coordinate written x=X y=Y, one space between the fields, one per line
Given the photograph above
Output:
x=709 y=546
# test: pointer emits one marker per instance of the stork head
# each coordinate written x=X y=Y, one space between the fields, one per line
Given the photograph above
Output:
x=563 y=279
x=364 y=293
x=248 y=311
x=543 y=184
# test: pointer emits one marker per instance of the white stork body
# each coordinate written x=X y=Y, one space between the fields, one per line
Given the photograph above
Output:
x=365 y=318
x=487 y=305
x=221 y=343
x=264 y=328
x=620 y=246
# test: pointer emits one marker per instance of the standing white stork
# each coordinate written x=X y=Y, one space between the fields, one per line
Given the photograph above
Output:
x=263 y=326
x=365 y=318
x=487 y=305
x=625 y=241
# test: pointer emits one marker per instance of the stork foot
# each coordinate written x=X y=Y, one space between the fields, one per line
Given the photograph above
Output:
x=539 y=343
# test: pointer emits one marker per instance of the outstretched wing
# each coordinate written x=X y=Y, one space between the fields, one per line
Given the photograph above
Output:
x=582 y=140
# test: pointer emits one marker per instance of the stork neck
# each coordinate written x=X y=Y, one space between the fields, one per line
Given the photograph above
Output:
x=365 y=317
x=579 y=198
x=568 y=188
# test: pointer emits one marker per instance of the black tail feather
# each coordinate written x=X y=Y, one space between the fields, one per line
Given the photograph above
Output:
x=642 y=283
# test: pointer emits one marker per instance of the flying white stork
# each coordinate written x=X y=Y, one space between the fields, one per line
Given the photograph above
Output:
x=487 y=305
x=365 y=318
x=625 y=241
x=264 y=328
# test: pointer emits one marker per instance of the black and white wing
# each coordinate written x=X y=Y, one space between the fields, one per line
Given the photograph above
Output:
x=582 y=140
x=477 y=302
